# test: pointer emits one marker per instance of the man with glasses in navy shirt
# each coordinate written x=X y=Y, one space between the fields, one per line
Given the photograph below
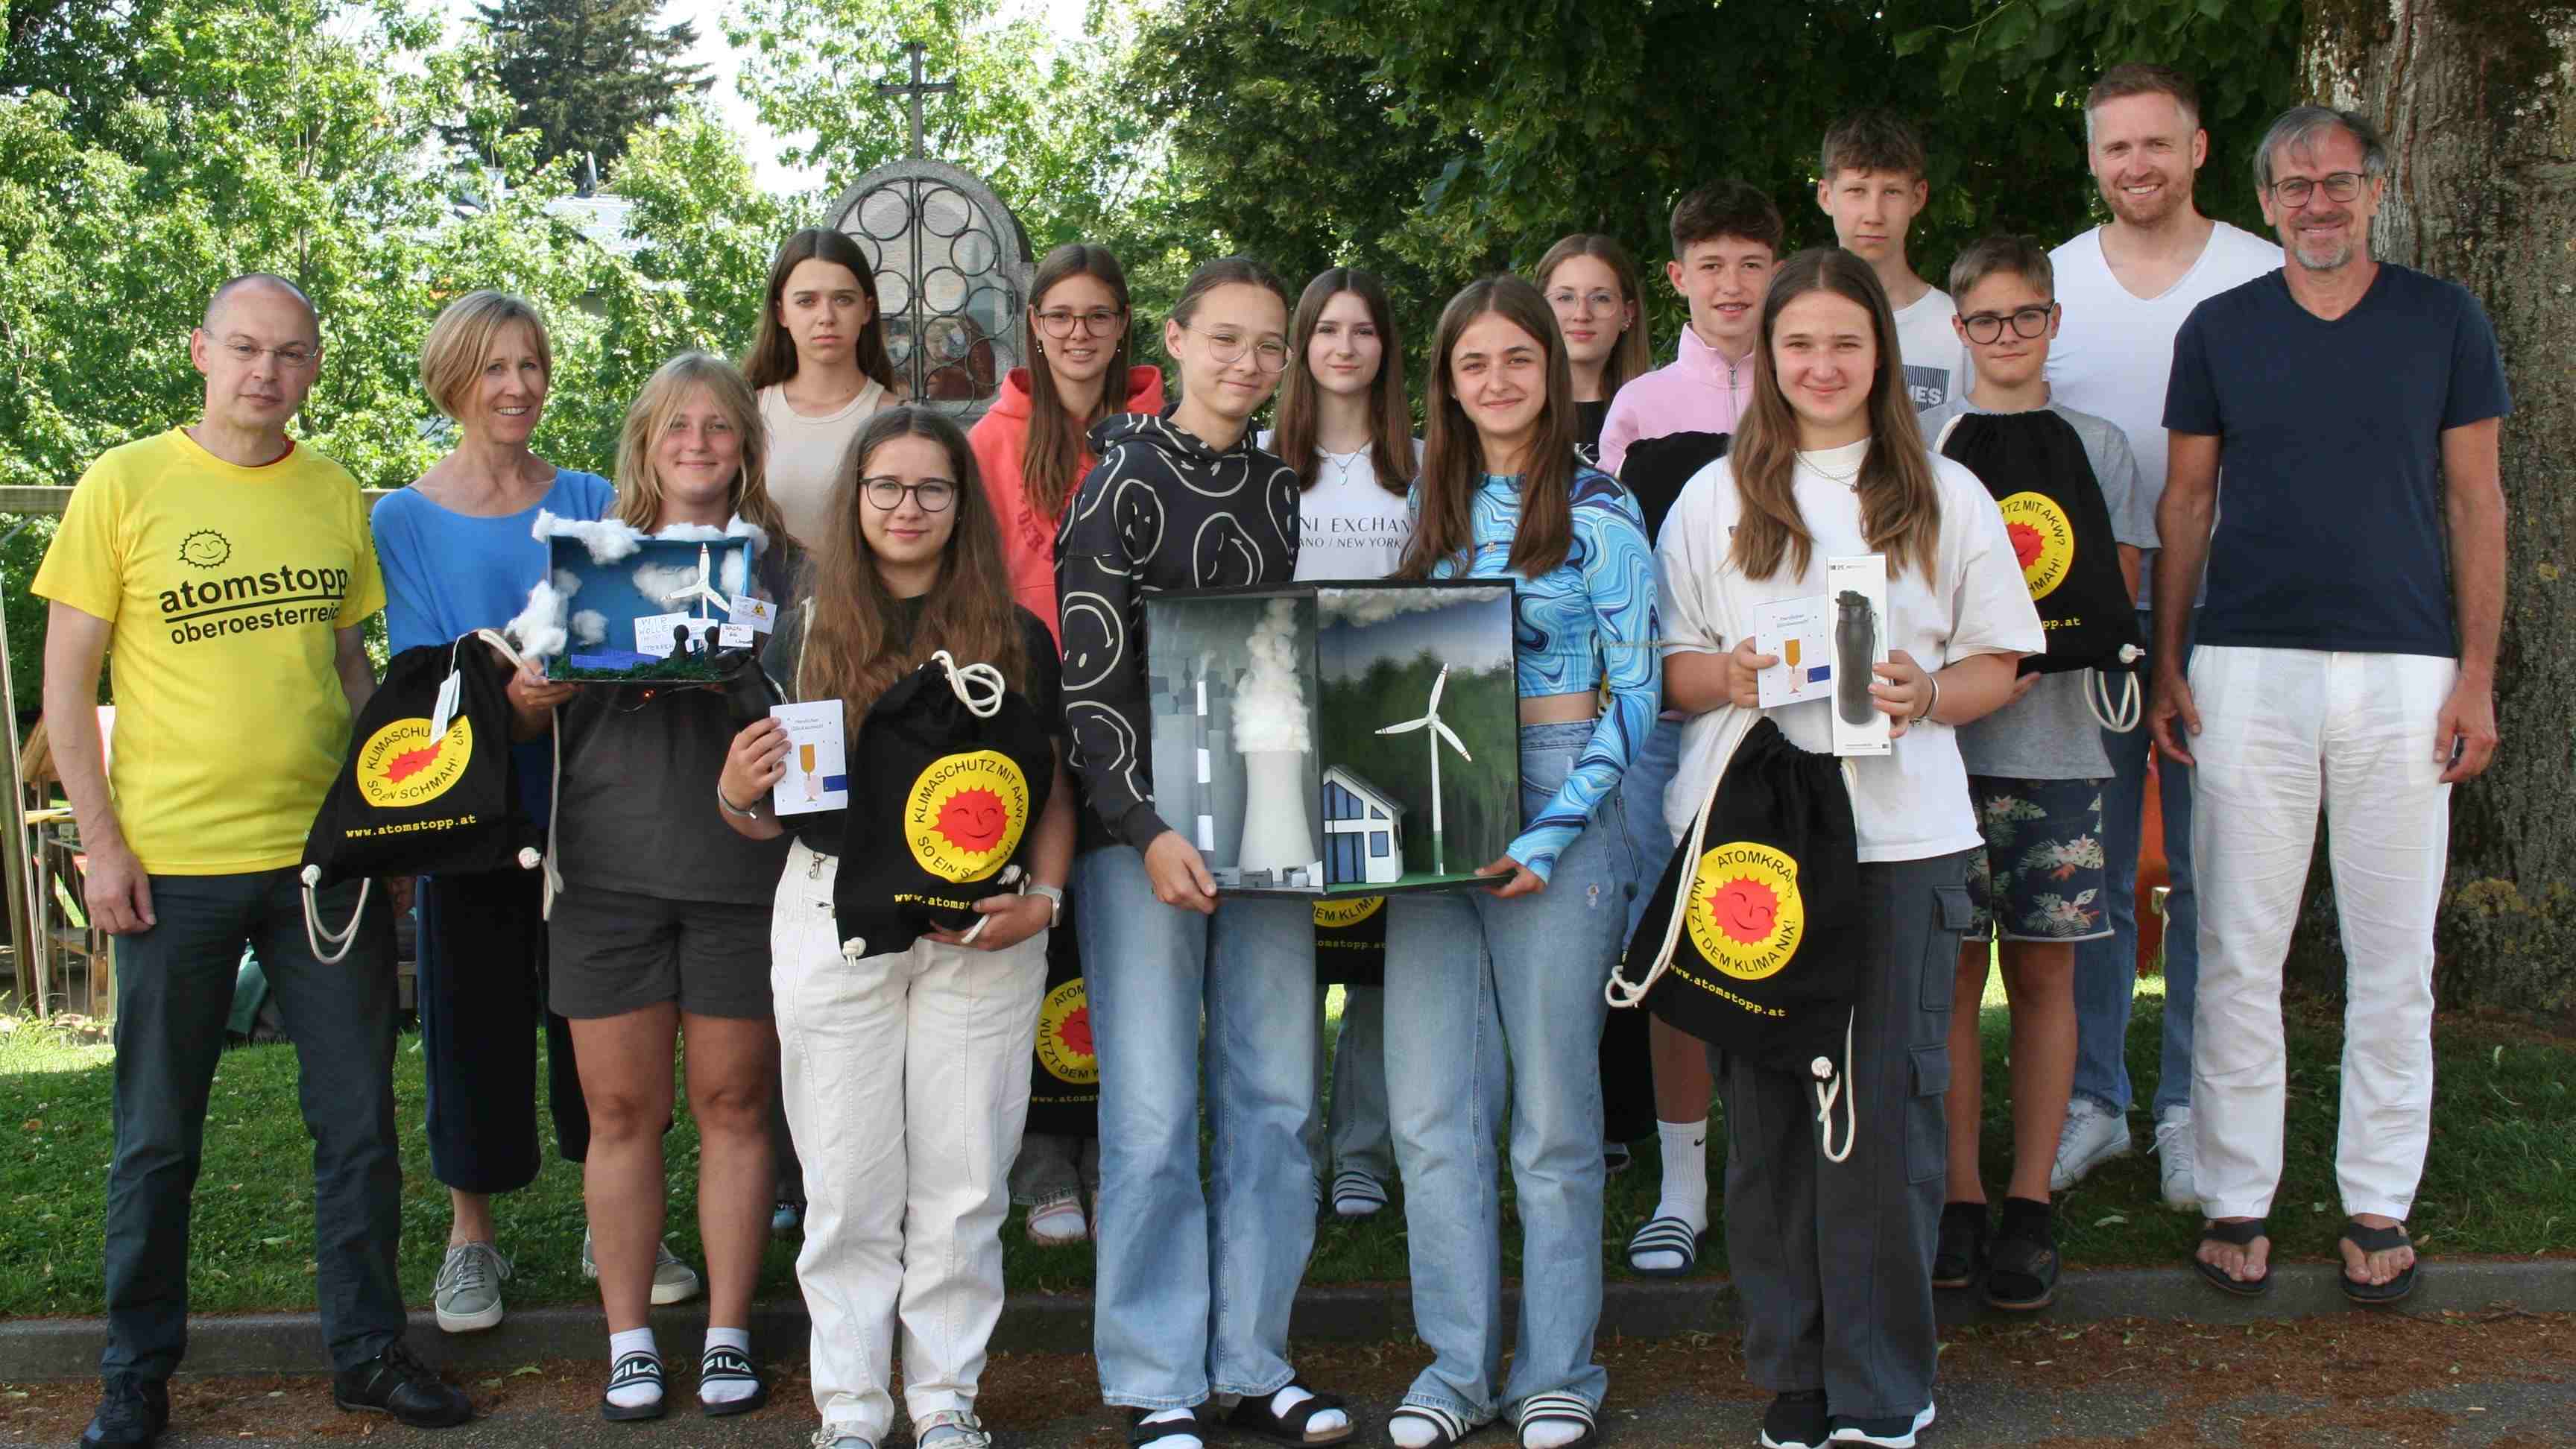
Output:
x=2355 y=404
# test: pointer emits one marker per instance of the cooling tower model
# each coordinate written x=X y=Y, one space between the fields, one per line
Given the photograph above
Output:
x=1277 y=834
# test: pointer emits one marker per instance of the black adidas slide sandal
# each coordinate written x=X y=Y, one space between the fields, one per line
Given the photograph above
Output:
x=1666 y=1235
x=1559 y=1409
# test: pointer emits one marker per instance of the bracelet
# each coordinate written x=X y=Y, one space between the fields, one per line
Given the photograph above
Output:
x=1935 y=702
x=731 y=808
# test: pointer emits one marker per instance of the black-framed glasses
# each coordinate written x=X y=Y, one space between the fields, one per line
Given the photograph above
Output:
x=935 y=495
x=2338 y=186
x=1269 y=354
x=1059 y=322
x=1988 y=326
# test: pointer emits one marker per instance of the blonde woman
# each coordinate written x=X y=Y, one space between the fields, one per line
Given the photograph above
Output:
x=661 y=929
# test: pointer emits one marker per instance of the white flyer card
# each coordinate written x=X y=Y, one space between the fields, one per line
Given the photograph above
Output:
x=1798 y=633
x=656 y=634
x=760 y=614
x=1856 y=591
x=818 y=776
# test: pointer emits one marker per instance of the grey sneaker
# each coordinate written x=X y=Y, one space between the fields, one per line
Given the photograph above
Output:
x=950 y=1429
x=828 y=1437
x=469 y=1288
x=673 y=1280
x=2094 y=1135
x=2174 y=1149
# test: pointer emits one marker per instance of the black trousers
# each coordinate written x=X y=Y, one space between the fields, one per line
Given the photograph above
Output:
x=174 y=990
x=482 y=990
x=1833 y=1260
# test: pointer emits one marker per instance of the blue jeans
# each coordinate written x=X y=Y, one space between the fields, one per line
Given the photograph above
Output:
x=2106 y=970
x=1465 y=973
x=1195 y=1284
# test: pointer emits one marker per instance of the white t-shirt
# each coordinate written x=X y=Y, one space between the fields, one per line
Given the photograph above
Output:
x=1936 y=361
x=2114 y=349
x=1349 y=525
x=1911 y=803
x=805 y=455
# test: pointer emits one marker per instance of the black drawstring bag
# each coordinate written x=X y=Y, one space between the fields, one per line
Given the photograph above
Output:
x=947 y=779
x=1064 y=1069
x=1752 y=940
x=1350 y=941
x=408 y=803
x=2034 y=465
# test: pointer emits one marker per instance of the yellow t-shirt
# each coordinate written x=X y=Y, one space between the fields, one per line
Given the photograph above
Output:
x=224 y=584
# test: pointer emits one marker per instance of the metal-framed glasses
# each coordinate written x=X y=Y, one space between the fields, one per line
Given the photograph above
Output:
x=1060 y=322
x=2338 y=186
x=1227 y=348
x=1988 y=326
x=1585 y=304
x=935 y=495
x=293 y=355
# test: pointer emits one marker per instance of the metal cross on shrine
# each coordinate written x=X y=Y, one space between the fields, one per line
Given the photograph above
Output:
x=914 y=90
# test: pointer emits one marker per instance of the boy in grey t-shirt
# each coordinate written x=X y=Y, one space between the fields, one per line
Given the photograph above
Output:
x=2035 y=773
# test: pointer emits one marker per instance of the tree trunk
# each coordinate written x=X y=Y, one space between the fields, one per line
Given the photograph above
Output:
x=2474 y=99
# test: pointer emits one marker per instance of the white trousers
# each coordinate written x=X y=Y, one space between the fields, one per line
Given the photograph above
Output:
x=907 y=1082
x=2283 y=731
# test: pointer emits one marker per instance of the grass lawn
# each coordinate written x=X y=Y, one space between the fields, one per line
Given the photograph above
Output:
x=2502 y=1179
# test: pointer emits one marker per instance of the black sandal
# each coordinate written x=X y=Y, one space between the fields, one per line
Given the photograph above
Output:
x=1253 y=1416
x=630 y=1369
x=1446 y=1427
x=1558 y=1409
x=1959 y=1254
x=1140 y=1433
x=2234 y=1235
x=1666 y=1234
x=725 y=1364
x=2021 y=1276
x=2377 y=1240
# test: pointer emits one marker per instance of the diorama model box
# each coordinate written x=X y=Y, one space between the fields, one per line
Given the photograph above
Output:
x=1336 y=739
x=618 y=606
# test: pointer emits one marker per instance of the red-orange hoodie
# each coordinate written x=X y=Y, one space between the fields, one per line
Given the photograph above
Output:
x=1001 y=439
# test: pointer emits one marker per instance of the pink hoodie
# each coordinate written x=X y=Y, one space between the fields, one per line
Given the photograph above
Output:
x=1001 y=440
x=1698 y=392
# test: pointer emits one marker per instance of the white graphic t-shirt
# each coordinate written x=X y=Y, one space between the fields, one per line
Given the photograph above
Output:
x=1936 y=362
x=1352 y=526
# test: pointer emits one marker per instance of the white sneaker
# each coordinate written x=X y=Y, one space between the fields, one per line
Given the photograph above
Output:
x=1057 y=1222
x=673 y=1280
x=2094 y=1135
x=2174 y=1157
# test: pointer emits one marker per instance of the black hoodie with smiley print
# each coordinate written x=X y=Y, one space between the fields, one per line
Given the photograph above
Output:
x=1161 y=512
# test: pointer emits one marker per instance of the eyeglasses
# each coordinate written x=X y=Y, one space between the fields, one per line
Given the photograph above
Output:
x=1270 y=354
x=1059 y=322
x=2339 y=186
x=1988 y=326
x=933 y=494
x=292 y=355
x=1566 y=299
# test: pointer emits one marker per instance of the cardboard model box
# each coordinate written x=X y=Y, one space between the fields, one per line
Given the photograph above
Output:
x=621 y=606
x=1337 y=739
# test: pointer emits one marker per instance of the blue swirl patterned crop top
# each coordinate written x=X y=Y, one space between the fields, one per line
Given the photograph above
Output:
x=1592 y=615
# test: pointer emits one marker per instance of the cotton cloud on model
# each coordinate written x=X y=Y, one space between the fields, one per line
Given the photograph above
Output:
x=539 y=627
x=1364 y=607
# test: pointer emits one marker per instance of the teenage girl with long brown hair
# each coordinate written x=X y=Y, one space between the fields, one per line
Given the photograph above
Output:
x=820 y=366
x=1590 y=282
x=1834 y=1254
x=906 y=1072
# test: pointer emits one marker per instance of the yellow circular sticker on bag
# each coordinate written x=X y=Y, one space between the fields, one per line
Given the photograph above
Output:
x=401 y=767
x=964 y=816
x=1336 y=915
x=2043 y=541
x=1064 y=1035
x=1746 y=915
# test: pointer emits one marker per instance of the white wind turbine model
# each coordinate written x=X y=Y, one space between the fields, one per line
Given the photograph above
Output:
x=1431 y=720
x=702 y=588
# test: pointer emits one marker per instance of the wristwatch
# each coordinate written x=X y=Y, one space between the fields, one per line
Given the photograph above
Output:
x=730 y=808
x=1055 y=900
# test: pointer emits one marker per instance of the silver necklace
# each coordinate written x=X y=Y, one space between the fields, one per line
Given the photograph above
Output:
x=1342 y=464
x=1848 y=480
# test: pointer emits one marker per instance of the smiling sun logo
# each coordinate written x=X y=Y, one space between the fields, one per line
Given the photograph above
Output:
x=964 y=816
x=400 y=766
x=205 y=549
x=1064 y=1035
x=2043 y=541
x=1746 y=916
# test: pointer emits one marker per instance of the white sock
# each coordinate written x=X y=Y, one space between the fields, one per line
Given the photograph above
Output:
x=1176 y=1441
x=1412 y=1431
x=725 y=1391
x=633 y=1340
x=1685 y=1189
x=1325 y=1421
x=1551 y=1434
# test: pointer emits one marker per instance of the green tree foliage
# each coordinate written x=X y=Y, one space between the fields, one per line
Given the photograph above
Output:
x=582 y=74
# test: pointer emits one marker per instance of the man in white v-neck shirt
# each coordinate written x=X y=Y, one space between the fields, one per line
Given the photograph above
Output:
x=2125 y=288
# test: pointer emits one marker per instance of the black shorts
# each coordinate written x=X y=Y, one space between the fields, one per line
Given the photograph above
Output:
x=616 y=951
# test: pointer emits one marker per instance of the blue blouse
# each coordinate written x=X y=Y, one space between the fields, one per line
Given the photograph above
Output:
x=1589 y=618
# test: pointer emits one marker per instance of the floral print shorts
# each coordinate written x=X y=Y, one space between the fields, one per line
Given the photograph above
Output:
x=2039 y=875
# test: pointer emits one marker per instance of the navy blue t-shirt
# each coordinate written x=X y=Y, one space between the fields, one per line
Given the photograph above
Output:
x=2330 y=524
